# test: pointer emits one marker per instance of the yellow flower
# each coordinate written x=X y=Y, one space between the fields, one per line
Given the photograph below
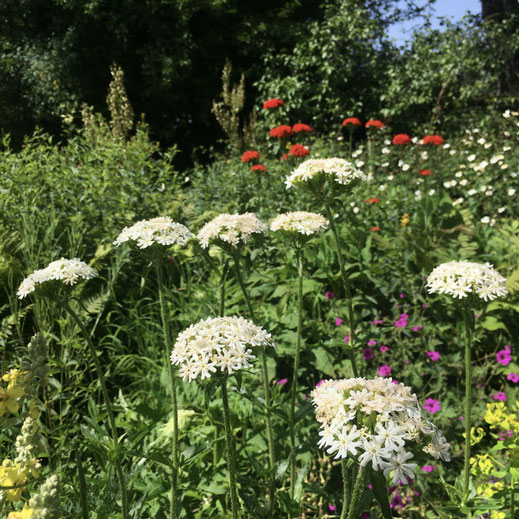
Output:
x=476 y=435
x=13 y=375
x=405 y=220
x=9 y=397
x=26 y=513
x=494 y=514
x=13 y=475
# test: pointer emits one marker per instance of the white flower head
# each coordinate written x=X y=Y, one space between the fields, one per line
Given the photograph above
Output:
x=69 y=271
x=338 y=170
x=300 y=222
x=462 y=278
x=231 y=229
x=162 y=231
x=220 y=345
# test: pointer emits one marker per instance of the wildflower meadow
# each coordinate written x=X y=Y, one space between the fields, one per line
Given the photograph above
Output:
x=320 y=321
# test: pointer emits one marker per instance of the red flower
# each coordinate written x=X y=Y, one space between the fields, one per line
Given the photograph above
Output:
x=425 y=172
x=272 y=103
x=284 y=157
x=259 y=167
x=433 y=139
x=375 y=124
x=301 y=128
x=375 y=228
x=351 y=120
x=372 y=200
x=281 y=131
x=250 y=155
x=401 y=139
x=298 y=151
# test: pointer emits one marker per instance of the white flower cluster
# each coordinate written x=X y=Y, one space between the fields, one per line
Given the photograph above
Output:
x=162 y=230
x=222 y=343
x=68 y=271
x=373 y=421
x=301 y=222
x=231 y=229
x=461 y=278
x=342 y=171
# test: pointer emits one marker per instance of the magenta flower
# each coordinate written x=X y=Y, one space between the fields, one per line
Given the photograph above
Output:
x=282 y=382
x=367 y=354
x=384 y=349
x=347 y=338
x=500 y=396
x=433 y=355
x=417 y=328
x=427 y=468
x=432 y=405
x=513 y=377
x=321 y=382
x=329 y=295
x=372 y=342
x=424 y=306
x=384 y=370
x=331 y=508
x=504 y=435
x=401 y=321
x=504 y=356
x=378 y=321
x=338 y=321
x=402 y=295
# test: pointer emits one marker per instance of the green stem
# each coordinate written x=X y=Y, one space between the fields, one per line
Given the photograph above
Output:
x=345 y=280
x=345 y=488
x=468 y=398
x=295 y=372
x=109 y=410
x=83 y=496
x=512 y=498
x=266 y=392
x=231 y=455
x=174 y=405
x=357 y=490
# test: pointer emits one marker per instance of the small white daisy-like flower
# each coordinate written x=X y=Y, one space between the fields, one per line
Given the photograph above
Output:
x=221 y=345
x=300 y=222
x=340 y=170
x=69 y=271
x=397 y=464
x=231 y=229
x=461 y=278
x=162 y=231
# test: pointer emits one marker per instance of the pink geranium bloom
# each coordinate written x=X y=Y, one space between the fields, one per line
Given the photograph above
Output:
x=329 y=295
x=347 y=338
x=282 y=382
x=378 y=321
x=372 y=342
x=338 y=321
x=500 y=396
x=384 y=349
x=367 y=354
x=400 y=323
x=433 y=355
x=331 y=508
x=384 y=371
x=417 y=328
x=427 y=468
x=513 y=377
x=432 y=405
x=504 y=356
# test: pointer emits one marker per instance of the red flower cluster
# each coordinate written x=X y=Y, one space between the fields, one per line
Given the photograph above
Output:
x=284 y=157
x=433 y=139
x=250 y=155
x=298 y=151
x=281 y=131
x=425 y=172
x=351 y=120
x=401 y=139
x=375 y=124
x=272 y=103
x=372 y=200
x=259 y=167
x=375 y=228
x=301 y=128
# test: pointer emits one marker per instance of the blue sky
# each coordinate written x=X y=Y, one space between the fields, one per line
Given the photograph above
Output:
x=454 y=9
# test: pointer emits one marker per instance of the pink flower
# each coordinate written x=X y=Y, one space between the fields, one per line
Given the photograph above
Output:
x=338 y=321
x=394 y=382
x=329 y=295
x=347 y=338
x=384 y=349
x=432 y=405
x=433 y=355
x=427 y=468
x=367 y=354
x=402 y=295
x=374 y=323
x=400 y=323
x=282 y=382
x=424 y=306
x=384 y=370
x=372 y=342
x=500 y=396
x=417 y=328
x=513 y=377
x=320 y=383
x=504 y=435
x=504 y=356
x=331 y=508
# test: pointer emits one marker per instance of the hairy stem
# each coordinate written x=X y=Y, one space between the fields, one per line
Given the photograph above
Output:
x=357 y=490
x=468 y=317
x=345 y=488
x=231 y=455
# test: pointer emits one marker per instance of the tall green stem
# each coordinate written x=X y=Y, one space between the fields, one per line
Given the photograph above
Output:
x=295 y=372
x=357 y=490
x=109 y=410
x=468 y=321
x=345 y=280
x=266 y=392
x=231 y=455
x=345 y=488
x=169 y=368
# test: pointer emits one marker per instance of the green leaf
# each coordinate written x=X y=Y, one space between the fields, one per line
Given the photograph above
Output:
x=378 y=482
